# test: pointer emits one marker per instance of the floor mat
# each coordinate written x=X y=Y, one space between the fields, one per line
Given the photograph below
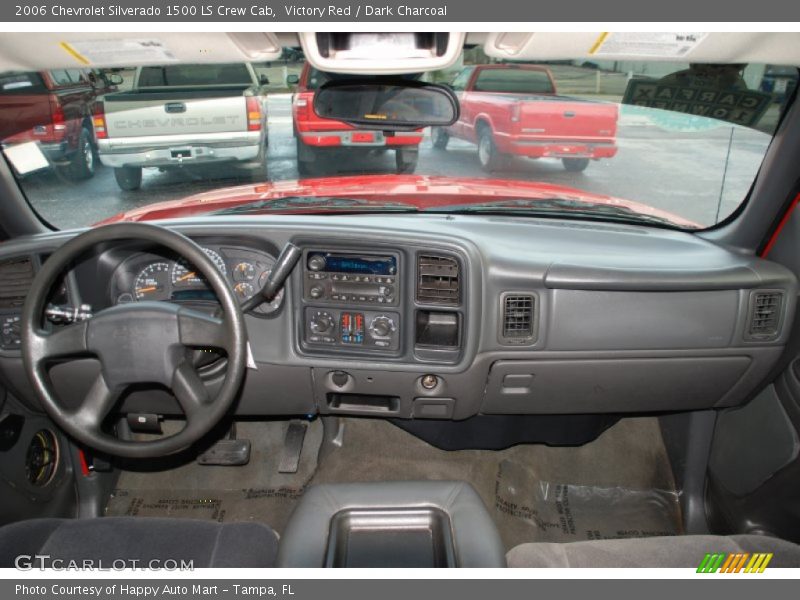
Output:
x=619 y=485
x=252 y=492
x=628 y=456
x=527 y=509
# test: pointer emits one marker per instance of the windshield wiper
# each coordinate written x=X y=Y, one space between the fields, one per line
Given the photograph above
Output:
x=557 y=207
x=312 y=204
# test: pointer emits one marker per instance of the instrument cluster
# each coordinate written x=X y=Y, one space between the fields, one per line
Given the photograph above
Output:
x=148 y=276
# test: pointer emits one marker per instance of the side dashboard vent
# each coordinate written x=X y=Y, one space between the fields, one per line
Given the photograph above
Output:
x=519 y=318
x=764 y=319
x=438 y=280
x=16 y=276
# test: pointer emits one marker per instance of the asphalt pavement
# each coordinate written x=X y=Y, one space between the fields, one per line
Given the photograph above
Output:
x=699 y=175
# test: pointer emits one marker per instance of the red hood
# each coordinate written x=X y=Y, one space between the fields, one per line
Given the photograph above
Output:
x=420 y=191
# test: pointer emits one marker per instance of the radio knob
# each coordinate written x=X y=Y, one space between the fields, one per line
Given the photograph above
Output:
x=321 y=323
x=316 y=262
x=316 y=292
x=381 y=326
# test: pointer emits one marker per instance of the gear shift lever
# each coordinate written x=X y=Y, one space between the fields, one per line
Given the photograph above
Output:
x=277 y=278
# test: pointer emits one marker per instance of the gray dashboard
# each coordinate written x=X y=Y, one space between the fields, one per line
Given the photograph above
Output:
x=549 y=317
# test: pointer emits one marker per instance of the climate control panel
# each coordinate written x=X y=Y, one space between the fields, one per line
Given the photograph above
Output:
x=351 y=328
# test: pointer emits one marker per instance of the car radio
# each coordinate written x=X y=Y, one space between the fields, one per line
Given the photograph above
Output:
x=334 y=277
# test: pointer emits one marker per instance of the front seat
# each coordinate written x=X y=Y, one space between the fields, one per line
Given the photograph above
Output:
x=667 y=552
x=143 y=539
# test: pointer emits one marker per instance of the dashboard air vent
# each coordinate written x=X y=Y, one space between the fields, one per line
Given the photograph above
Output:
x=16 y=276
x=519 y=322
x=438 y=280
x=765 y=314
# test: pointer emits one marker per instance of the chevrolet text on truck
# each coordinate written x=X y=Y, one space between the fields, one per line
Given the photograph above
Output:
x=179 y=115
x=512 y=109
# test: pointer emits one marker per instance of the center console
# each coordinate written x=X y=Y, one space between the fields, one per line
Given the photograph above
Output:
x=391 y=524
x=381 y=302
x=351 y=300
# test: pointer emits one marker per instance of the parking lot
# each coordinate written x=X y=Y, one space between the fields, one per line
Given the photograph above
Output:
x=699 y=175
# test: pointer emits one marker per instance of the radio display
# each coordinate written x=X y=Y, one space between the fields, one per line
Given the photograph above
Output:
x=379 y=265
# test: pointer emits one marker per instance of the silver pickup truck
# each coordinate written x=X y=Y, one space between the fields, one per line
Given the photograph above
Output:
x=177 y=115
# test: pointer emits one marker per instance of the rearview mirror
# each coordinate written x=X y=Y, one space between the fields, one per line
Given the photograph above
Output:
x=115 y=79
x=392 y=105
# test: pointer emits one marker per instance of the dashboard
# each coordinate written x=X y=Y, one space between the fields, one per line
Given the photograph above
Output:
x=431 y=317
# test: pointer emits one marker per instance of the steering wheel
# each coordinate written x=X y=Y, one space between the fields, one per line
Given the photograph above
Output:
x=140 y=342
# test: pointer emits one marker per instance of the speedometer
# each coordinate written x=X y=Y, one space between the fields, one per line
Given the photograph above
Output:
x=152 y=282
x=184 y=274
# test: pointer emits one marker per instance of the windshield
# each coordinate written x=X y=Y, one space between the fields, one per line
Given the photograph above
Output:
x=670 y=144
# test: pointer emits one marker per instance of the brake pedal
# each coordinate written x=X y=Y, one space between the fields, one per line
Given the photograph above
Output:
x=292 y=447
x=226 y=453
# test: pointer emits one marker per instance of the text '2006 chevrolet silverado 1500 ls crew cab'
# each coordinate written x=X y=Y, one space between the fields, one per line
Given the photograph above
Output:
x=510 y=109
x=183 y=114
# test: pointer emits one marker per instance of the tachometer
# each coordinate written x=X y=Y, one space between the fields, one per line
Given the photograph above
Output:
x=152 y=282
x=184 y=274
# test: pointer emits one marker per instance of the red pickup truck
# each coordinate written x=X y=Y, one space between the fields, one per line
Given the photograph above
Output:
x=54 y=108
x=514 y=109
x=318 y=137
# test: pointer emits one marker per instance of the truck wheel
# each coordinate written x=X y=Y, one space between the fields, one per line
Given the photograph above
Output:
x=128 y=178
x=488 y=154
x=575 y=165
x=82 y=164
x=406 y=158
x=440 y=138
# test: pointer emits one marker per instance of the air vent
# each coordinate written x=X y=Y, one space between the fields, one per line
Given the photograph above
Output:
x=16 y=276
x=765 y=314
x=438 y=280
x=519 y=318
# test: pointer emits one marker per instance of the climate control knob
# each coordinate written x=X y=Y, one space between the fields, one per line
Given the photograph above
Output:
x=381 y=326
x=321 y=323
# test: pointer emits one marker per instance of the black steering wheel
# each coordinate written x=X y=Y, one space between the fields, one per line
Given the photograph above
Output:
x=141 y=342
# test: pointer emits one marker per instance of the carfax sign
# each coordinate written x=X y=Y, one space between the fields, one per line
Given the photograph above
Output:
x=743 y=107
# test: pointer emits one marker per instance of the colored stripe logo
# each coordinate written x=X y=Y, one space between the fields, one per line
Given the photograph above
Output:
x=740 y=562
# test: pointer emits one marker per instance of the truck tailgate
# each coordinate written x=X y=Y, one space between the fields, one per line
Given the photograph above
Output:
x=144 y=114
x=21 y=113
x=559 y=118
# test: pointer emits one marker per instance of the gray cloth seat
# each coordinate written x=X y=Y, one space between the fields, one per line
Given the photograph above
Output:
x=107 y=539
x=677 y=551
